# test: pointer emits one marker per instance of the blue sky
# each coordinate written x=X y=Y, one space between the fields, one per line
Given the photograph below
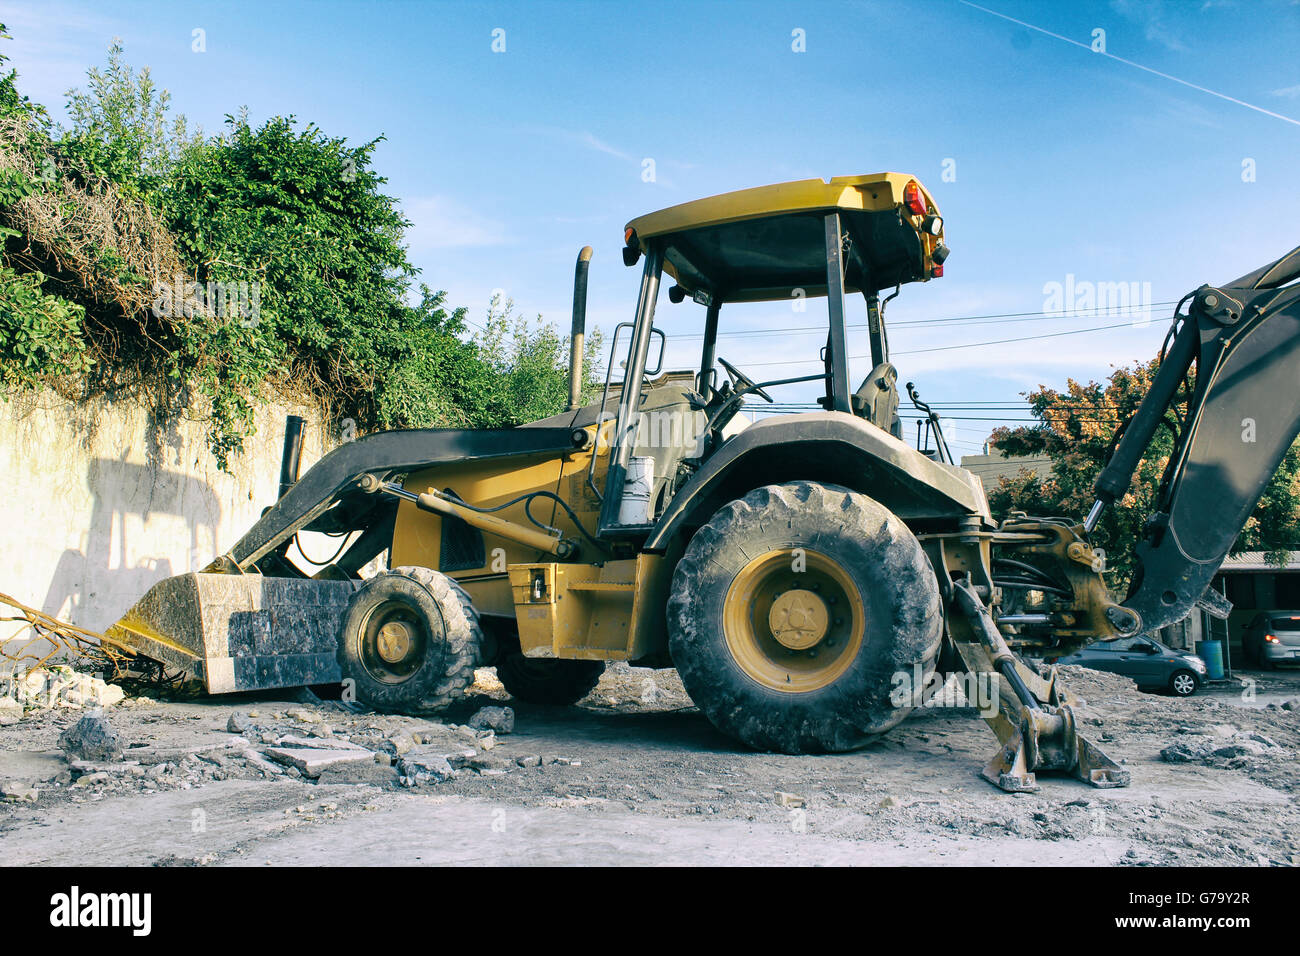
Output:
x=1063 y=161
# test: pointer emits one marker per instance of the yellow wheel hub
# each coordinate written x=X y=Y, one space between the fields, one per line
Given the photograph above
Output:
x=794 y=620
x=393 y=642
x=798 y=619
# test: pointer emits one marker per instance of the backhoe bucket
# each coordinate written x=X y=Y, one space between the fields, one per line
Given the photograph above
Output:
x=238 y=632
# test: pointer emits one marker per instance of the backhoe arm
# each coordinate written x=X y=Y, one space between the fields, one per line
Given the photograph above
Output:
x=1244 y=413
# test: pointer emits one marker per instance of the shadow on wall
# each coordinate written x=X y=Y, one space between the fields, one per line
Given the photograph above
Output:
x=93 y=587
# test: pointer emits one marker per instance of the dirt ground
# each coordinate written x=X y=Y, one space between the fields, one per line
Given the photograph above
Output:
x=635 y=775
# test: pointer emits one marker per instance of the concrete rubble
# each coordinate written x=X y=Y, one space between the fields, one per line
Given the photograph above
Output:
x=57 y=685
x=91 y=738
x=1214 y=780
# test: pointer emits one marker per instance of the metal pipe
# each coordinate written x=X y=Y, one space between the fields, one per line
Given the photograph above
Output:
x=710 y=352
x=1015 y=619
x=577 y=335
x=438 y=503
x=840 y=401
x=291 y=457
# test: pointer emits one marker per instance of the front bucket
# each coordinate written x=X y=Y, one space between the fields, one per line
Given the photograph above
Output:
x=240 y=632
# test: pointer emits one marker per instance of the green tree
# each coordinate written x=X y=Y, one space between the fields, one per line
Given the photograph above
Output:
x=121 y=127
x=1075 y=430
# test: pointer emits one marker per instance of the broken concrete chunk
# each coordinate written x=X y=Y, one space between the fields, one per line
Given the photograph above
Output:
x=415 y=769
x=92 y=738
x=316 y=743
x=791 y=801
x=500 y=720
x=238 y=723
x=310 y=762
x=530 y=760
x=489 y=763
x=18 y=791
x=11 y=711
x=401 y=742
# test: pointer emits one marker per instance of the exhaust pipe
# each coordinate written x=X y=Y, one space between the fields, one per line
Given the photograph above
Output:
x=578 y=332
x=291 y=457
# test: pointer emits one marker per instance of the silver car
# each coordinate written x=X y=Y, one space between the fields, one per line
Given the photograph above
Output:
x=1272 y=638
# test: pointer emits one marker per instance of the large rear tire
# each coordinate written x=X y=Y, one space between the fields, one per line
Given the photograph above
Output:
x=544 y=680
x=410 y=641
x=794 y=610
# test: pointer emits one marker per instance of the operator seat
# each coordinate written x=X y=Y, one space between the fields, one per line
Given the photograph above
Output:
x=876 y=399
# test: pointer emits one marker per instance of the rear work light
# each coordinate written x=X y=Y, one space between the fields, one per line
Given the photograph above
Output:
x=631 y=247
x=913 y=199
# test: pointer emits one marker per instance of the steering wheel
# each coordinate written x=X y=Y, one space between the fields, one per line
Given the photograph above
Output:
x=739 y=380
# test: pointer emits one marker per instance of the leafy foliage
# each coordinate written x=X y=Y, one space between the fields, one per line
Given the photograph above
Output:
x=1075 y=430
x=264 y=259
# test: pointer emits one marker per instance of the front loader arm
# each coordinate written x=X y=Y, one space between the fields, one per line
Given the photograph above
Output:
x=1244 y=339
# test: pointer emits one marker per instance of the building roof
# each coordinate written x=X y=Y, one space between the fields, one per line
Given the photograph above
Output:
x=991 y=468
x=1257 y=561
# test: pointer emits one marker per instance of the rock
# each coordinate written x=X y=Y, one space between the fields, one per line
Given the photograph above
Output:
x=11 y=711
x=1188 y=750
x=416 y=769
x=401 y=742
x=460 y=759
x=487 y=743
x=489 y=764
x=500 y=720
x=18 y=791
x=1291 y=704
x=315 y=743
x=237 y=723
x=92 y=738
x=131 y=767
x=791 y=801
x=531 y=760
x=303 y=716
x=93 y=779
x=887 y=803
x=310 y=761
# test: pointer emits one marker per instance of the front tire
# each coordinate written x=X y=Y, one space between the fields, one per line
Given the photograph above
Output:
x=410 y=641
x=794 y=611
x=1183 y=683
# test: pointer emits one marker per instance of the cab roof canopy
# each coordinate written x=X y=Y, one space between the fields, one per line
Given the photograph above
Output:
x=764 y=243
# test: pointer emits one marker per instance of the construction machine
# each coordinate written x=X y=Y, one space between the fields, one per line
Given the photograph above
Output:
x=805 y=573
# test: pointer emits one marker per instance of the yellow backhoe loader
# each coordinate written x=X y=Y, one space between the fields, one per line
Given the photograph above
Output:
x=805 y=573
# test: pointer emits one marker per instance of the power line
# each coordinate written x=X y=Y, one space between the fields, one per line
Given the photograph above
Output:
x=991 y=319
x=948 y=348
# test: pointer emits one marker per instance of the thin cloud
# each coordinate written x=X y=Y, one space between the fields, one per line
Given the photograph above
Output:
x=1136 y=66
x=439 y=222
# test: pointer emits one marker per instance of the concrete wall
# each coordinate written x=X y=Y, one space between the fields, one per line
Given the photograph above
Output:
x=98 y=503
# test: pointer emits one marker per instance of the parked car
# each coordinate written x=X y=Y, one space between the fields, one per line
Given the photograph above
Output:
x=1272 y=638
x=1152 y=665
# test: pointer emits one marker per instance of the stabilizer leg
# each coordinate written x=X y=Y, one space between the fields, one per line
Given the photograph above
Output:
x=1034 y=720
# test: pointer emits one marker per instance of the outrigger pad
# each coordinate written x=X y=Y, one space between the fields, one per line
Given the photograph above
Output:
x=1047 y=740
x=238 y=632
